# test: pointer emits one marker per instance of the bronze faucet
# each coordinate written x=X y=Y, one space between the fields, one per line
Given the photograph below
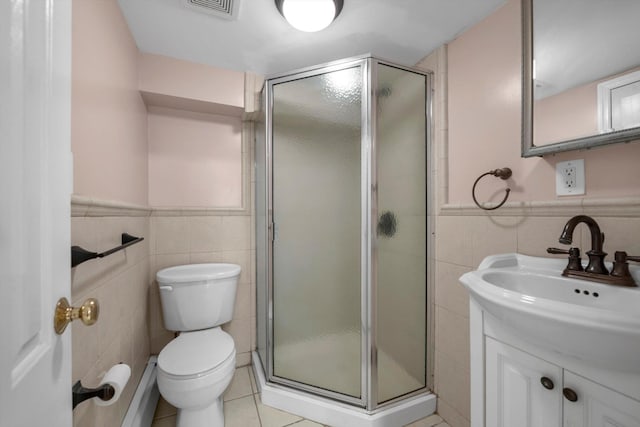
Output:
x=595 y=270
x=596 y=255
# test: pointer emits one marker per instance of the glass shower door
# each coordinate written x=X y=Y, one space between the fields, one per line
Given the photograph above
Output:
x=401 y=238
x=317 y=233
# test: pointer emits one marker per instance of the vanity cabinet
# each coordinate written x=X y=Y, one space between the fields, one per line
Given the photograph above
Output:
x=551 y=351
x=598 y=406
x=526 y=391
x=514 y=394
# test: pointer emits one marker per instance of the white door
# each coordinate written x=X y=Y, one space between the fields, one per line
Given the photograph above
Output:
x=515 y=394
x=598 y=406
x=35 y=184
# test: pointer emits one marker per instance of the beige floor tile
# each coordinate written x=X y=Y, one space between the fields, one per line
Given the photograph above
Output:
x=305 y=423
x=252 y=377
x=271 y=417
x=163 y=409
x=241 y=412
x=165 y=422
x=430 y=421
x=451 y=415
x=240 y=385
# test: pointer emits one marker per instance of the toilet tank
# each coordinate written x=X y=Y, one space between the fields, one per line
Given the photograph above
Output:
x=197 y=296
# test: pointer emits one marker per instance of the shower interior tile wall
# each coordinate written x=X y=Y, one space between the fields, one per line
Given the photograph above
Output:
x=120 y=284
x=480 y=236
x=199 y=239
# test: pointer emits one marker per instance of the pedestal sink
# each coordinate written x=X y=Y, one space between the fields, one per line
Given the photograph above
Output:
x=595 y=323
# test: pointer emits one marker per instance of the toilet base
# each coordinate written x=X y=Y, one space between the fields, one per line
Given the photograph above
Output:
x=208 y=416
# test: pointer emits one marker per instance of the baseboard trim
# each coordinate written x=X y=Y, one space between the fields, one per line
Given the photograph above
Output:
x=144 y=402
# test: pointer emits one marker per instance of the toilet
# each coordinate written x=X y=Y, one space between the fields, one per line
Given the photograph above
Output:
x=196 y=367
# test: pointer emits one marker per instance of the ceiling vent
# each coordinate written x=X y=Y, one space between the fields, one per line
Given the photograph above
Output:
x=226 y=9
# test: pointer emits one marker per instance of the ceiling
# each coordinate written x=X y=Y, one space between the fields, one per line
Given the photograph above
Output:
x=261 y=41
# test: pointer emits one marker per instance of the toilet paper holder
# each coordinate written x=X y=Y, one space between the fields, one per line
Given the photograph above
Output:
x=80 y=393
x=109 y=390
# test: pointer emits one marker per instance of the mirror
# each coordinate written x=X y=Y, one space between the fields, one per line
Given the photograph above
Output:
x=581 y=74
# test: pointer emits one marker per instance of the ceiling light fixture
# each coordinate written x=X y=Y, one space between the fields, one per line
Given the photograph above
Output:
x=309 y=15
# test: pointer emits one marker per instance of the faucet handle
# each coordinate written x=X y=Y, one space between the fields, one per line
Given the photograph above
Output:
x=575 y=263
x=621 y=256
x=620 y=265
x=621 y=268
x=557 y=251
x=633 y=258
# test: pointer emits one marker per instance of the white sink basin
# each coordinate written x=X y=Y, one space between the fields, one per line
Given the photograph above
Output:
x=592 y=322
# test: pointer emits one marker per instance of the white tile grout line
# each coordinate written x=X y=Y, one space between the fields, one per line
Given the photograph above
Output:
x=255 y=403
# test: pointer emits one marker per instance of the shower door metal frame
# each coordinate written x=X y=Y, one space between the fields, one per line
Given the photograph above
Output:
x=368 y=310
x=365 y=141
x=373 y=404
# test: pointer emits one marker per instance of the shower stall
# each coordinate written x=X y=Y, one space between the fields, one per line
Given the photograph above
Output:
x=343 y=242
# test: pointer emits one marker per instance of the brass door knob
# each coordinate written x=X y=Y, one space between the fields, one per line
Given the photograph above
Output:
x=65 y=314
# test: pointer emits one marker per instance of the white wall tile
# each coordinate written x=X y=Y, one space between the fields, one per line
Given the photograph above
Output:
x=452 y=337
x=454 y=240
x=171 y=235
x=452 y=384
x=119 y=282
x=204 y=234
x=236 y=233
x=450 y=293
x=536 y=234
x=492 y=235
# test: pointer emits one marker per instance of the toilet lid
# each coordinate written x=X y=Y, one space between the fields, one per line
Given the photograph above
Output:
x=193 y=353
x=196 y=272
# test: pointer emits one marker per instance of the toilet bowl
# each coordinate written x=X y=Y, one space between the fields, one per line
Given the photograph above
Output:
x=194 y=383
x=195 y=368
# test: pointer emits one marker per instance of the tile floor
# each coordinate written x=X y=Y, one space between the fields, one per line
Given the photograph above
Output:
x=243 y=408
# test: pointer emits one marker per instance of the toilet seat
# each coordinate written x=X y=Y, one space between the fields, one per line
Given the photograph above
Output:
x=196 y=354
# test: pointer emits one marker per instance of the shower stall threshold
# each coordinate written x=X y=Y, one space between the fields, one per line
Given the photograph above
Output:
x=330 y=412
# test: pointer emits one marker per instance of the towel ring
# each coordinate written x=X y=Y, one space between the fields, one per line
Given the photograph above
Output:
x=504 y=173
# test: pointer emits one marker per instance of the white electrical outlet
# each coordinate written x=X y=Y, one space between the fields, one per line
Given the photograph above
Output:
x=570 y=178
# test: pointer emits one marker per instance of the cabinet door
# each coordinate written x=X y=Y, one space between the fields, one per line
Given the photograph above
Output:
x=598 y=406
x=515 y=395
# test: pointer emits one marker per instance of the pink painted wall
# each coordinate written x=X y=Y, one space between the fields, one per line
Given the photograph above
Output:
x=176 y=78
x=195 y=133
x=484 y=123
x=195 y=159
x=109 y=119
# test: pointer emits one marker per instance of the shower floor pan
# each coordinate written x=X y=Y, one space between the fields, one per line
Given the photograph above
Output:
x=342 y=375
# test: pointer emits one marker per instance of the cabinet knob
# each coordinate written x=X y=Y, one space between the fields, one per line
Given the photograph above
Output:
x=547 y=383
x=570 y=395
